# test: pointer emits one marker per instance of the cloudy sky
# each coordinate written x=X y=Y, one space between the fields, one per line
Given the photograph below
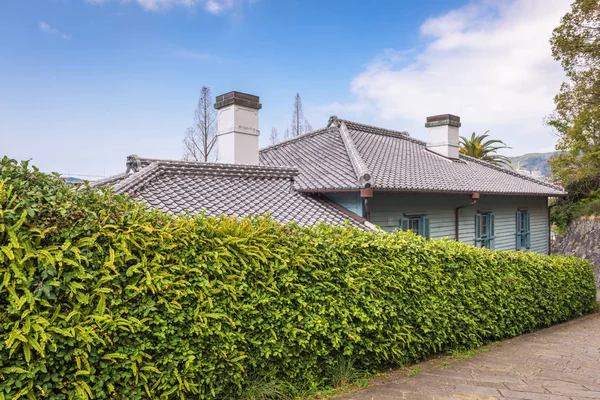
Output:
x=84 y=83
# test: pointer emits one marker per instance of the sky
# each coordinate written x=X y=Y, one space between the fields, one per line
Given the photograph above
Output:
x=84 y=83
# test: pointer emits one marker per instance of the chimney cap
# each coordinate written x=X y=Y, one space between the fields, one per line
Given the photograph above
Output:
x=238 y=98
x=443 y=119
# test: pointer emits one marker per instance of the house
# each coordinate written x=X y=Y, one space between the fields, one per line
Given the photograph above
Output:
x=347 y=171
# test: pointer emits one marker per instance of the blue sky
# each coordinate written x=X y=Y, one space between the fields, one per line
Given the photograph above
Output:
x=85 y=83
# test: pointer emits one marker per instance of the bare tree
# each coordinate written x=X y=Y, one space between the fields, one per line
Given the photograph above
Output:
x=307 y=126
x=201 y=138
x=299 y=124
x=274 y=138
x=287 y=135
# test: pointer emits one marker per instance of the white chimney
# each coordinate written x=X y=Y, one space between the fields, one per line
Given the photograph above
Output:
x=238 y=128
x=443 y=136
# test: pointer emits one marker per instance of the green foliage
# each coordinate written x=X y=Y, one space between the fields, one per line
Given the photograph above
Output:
x=478 y=147
x=267 y=390
x=576 y=44
x=582 y=200
x=102 y=298
x=345 y=372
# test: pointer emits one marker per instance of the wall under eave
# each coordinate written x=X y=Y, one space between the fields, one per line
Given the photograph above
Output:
x=388 y=208
x=349 y=200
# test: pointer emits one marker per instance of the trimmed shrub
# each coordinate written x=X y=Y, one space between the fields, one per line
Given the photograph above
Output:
x=102 y=298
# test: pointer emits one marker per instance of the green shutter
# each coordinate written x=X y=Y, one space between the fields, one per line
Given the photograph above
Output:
x=478 y=230
x=404 y=224
x=491 y=232
x=518 y=231
x=425 y=227
x=527 y=232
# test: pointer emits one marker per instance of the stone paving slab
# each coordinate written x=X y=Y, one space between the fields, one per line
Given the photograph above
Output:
x=558 y=363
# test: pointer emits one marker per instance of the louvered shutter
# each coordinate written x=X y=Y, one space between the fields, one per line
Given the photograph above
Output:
x=491 y=232
x=478 y=230
x=404 y=224
x=425 y=228
x=527 y=231
x=519 y=238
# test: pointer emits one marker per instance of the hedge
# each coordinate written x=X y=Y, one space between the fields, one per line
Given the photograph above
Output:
x=102 y=298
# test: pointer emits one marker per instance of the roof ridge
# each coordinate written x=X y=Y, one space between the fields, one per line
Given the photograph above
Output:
x=249 y=169
x=108 y=180
x=510 y=172
x=154 y=167
x=363 y=174
x=385 y=130
x=294 y=139
x=137 y=179
x=241 y=170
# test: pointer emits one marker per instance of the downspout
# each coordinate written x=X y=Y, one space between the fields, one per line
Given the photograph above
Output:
x=366 y=194
x=474 y=198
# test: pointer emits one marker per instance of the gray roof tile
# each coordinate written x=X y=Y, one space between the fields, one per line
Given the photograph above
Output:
x=234 y=190
x=320 y=156
x=394 y=161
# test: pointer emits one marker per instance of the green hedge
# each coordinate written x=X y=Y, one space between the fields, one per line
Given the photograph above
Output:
x=101 y=298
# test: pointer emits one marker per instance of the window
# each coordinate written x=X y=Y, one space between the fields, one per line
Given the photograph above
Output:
x=419 y=224
x=484 y=230
x=523 y=234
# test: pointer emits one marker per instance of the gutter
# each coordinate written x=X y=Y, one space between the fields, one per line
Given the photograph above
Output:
x=474 y=198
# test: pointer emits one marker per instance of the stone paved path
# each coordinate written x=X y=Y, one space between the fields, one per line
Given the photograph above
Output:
x=558 y=363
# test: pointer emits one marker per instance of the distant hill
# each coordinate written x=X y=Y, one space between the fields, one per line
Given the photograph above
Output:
x=534 y=163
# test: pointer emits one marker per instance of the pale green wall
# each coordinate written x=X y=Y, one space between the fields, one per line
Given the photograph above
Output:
x=349 y=200
x=388 y=208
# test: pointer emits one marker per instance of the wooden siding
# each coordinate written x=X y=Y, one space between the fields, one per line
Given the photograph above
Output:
x=388 y=208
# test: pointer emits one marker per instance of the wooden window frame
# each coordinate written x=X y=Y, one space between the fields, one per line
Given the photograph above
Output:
x=523 y=230
x=421 y=220
x=485 y=230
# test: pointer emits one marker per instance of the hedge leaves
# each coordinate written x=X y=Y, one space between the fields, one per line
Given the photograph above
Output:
x=101 y=298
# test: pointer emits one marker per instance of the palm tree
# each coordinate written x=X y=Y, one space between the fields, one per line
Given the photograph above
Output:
x=478 y=147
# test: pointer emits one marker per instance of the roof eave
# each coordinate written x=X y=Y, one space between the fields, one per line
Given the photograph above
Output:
x=429 y=191
x=493 y=193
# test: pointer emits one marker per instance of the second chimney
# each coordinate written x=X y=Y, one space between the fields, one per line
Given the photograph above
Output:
x=443 y=138
x=237 y=130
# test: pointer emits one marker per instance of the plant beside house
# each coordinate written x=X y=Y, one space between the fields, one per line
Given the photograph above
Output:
x=102 y=297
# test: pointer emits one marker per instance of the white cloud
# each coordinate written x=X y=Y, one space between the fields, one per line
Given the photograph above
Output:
x=211 y=6
x=488 y=62
x=44 y=27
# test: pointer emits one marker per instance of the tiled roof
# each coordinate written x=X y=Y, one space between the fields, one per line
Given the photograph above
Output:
x=234 y=190
x=320 y=157
x=337 y=156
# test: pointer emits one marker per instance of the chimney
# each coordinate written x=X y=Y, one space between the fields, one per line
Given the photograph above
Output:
x=238 y=132
x=443 y=135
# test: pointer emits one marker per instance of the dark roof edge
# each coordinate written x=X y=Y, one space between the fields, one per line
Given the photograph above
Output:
x=432 y=191
x=467 y=192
